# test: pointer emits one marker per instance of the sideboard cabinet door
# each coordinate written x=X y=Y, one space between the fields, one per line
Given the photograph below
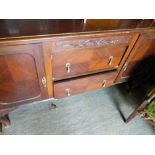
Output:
x=22 y=76
x=141 y=59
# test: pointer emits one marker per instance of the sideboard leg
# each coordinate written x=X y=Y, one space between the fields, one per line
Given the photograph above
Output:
x=4 y=121
x=136 y=111
x=53 y=106
x=0 y=128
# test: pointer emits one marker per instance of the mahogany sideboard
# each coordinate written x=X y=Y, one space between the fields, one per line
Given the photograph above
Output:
x=43 y=59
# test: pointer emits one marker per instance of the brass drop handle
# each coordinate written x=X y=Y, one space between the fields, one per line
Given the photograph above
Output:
x=110 y=60
x=68 y=67
x=68 y=92
x=125 y=66
x=104 y=83
x=43 y=81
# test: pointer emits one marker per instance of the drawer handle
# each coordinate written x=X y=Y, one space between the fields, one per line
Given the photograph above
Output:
x=68 y=92
x=104 y=83
x=68 y=67
x=125 y=66
x=110 y=60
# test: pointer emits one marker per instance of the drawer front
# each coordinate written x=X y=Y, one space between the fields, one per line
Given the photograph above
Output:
x=80 y=57
x=76 y=86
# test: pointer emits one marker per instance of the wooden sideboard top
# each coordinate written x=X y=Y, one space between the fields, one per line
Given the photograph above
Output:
x=19 y=28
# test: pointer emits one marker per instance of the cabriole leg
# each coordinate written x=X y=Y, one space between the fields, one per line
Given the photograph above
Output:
x=53 y=106
x=4 y=121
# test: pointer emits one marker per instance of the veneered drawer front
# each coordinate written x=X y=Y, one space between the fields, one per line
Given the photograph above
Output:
x=76 y=86
x=79 y=57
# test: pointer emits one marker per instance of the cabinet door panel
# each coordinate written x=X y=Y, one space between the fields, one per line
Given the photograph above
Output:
x=141 y=58
x=20 y=73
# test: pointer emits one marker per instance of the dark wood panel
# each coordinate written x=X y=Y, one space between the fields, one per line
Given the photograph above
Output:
x=142 y=58
x=93 y=82
x=21 y=69
x=108 y=24
x=18 y=78
x=34 y=27
x=77 y=57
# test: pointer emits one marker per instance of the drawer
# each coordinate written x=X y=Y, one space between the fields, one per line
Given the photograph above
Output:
x=80 y=85
x=80 y=57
